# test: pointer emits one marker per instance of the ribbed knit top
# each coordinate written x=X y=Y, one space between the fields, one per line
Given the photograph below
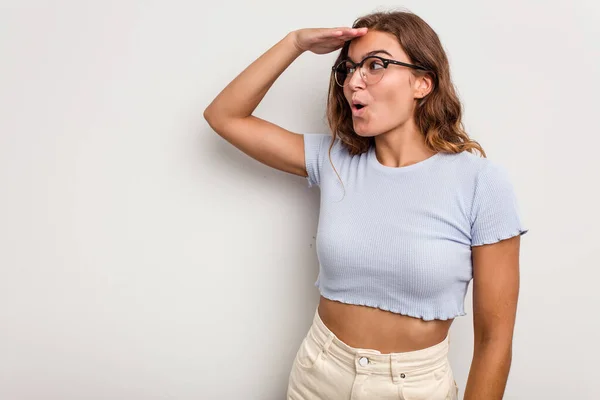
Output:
x=400 y=239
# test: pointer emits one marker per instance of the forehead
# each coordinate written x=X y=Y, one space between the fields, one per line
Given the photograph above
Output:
x=375 y=40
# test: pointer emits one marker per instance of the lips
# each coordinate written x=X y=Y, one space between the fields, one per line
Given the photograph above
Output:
x=358 y=106
x=358 y=109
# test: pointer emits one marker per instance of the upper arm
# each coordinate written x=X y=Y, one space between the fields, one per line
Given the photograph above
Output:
x=266 y=142
x=496 y=230
x=495 y=289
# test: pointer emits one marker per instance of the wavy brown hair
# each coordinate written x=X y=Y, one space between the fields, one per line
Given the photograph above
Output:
x=437 y=115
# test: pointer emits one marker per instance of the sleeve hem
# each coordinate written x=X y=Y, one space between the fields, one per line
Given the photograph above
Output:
x=481 y=242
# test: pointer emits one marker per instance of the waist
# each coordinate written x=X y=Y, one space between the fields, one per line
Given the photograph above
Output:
x=369 y=327
x=415 y=363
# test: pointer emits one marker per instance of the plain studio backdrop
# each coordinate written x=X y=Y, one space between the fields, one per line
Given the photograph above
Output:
x=144 y=257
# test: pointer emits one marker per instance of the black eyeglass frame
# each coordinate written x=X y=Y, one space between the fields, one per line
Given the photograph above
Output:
x=385 y=61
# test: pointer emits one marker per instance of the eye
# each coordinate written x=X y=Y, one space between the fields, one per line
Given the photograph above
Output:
x=374 y=64
x=347 y=68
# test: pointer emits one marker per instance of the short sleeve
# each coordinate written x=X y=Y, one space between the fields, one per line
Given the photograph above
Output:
x=316 y=146
x=495 y=213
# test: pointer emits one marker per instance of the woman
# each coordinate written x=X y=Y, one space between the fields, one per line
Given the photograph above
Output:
x=409 y=215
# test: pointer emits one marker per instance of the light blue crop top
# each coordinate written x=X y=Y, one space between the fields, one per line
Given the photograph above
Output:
x=400 y=239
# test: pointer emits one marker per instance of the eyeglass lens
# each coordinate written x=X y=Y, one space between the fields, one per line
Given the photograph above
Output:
x=371 y=71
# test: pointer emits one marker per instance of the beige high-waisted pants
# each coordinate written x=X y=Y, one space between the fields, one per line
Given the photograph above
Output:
x=326 y=368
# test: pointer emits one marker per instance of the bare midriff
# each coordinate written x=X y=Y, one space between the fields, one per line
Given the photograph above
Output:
x=372 y=328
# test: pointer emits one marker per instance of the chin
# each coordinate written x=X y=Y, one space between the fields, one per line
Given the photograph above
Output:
x=364 y=132
x=359 y=129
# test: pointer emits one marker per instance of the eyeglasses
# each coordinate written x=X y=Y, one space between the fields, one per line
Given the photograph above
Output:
x=371 y=69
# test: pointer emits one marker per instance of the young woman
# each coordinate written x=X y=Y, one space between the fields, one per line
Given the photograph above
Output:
x=409 y=215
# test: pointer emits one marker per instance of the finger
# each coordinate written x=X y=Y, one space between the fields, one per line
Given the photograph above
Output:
x=352 y=33
x=339 y=28
x=345 y=30
x=335 y=32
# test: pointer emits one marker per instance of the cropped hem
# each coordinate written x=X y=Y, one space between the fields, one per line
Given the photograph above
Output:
x=498 y=239
x=396 y=310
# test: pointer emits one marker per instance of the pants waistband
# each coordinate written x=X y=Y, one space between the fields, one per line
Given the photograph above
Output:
x=415 y=362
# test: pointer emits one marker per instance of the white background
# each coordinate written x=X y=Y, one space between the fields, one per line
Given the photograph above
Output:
x=144 y=257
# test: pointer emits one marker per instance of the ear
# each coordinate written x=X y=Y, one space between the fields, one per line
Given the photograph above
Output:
x=423 y=86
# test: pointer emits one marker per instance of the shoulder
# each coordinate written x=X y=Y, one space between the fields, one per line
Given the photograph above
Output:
x=475 y=166
x=321 y=142
x=473 y=175
x=464 y=165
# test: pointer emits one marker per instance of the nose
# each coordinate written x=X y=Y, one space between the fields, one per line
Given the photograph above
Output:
x=356 y=80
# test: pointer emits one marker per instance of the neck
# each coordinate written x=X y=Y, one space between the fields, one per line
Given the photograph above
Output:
x=402 y=146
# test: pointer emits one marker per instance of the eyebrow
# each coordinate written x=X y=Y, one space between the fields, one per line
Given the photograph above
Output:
x=372 y=53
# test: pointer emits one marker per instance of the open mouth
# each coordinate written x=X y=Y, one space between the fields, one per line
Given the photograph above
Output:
x=357 y=109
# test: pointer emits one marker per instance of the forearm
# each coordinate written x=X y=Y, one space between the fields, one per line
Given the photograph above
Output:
x=241 y=96
x=489 y=371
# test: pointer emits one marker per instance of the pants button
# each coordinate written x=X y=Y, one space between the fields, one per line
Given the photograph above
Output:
x=363 y=361
x=402 y=376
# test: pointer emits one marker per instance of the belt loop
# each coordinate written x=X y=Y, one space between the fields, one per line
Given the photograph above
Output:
x=327 y=343
x=394 y=369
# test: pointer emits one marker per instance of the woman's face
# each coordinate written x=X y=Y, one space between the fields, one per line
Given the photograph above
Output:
x=390 y=102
